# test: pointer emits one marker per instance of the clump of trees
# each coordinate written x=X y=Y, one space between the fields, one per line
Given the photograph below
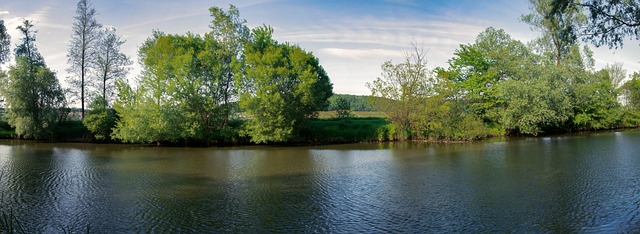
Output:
x=239 y=84
x=193 y=88
x=192 y=85
x=33 y=95
x=501 y=86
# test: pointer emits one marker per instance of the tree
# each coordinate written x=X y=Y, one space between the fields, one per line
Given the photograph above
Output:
x=630 y=91
x=34 y=98
x=178 y=95
x=5 y=43
x=610 y=22
x=151 y=113
x=559 y=27
x=343 y=108
x=535 y=103
x=110 y=63
x=617 y=74
x=100 y=119
x=230 y=34
x=27 y=47
x=84 y=36
x=477 y=69
x=402 y=88
x=595 y=101
x=283 y=87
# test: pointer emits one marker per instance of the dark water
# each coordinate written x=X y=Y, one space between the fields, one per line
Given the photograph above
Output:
x=586 y=183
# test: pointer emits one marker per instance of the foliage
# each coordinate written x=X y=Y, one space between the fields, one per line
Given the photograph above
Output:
x=559 y=28
x=610 y=22
x=109 y=62
x=6 y=131
x=631 y=92
x=283 y=87
x=5 y=43
x=34 y=99
x=356 y=102
x=617 y=74
x=477 y=69
x=100 y=119
x=595 y=102
x=343 y=108
x=536 y=102
x=230 y=34
x=152 y=112
x=85 y=36
x=401 y=89
x=27 y=46
x=72 y=130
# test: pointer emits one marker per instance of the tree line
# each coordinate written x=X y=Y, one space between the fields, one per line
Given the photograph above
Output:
x=193 y=88
x=502 y=86
x=236 y=84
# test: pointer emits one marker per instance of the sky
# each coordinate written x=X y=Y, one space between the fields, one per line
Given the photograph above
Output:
x=351 y=38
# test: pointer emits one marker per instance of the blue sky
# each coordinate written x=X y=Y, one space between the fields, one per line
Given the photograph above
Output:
x=352 y=38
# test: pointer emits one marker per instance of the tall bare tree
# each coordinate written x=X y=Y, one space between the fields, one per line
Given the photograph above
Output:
x=84 y=36
x=110 y=62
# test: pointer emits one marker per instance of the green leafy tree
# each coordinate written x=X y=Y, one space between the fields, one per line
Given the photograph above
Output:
x=631 y=101
x=34 y=99
x=5 y=43
x=100 y=119
x=283 y=87
x=595 y=102
x=535 y=103
x=559 y=28
x=27 y=46
x=477 y=69
x=85 y=35
x=343 y=108
x=229 y=34
x=155 y=102
x=357 y=103
x=401 y=89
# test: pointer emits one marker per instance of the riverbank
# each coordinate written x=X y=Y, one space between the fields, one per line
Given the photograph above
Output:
x=322 y=131
x=315 y=132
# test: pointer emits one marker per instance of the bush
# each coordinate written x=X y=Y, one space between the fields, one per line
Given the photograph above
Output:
x=100 y=119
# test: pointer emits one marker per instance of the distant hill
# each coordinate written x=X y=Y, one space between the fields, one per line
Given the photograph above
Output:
x=357 y=102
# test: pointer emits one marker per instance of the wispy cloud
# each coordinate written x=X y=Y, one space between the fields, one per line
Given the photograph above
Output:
x=360 y=53
x=158 y=21
x=4 y=12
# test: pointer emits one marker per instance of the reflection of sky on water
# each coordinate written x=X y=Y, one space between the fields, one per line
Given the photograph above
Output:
x=552 y=184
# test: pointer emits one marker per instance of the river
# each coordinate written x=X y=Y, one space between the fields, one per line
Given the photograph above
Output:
x=569 y=183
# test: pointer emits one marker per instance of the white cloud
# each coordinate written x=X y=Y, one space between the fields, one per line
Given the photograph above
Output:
x=4 y=12
x=360 y=53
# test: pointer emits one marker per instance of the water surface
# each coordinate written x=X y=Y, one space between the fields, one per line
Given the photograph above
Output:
x=578 y=183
